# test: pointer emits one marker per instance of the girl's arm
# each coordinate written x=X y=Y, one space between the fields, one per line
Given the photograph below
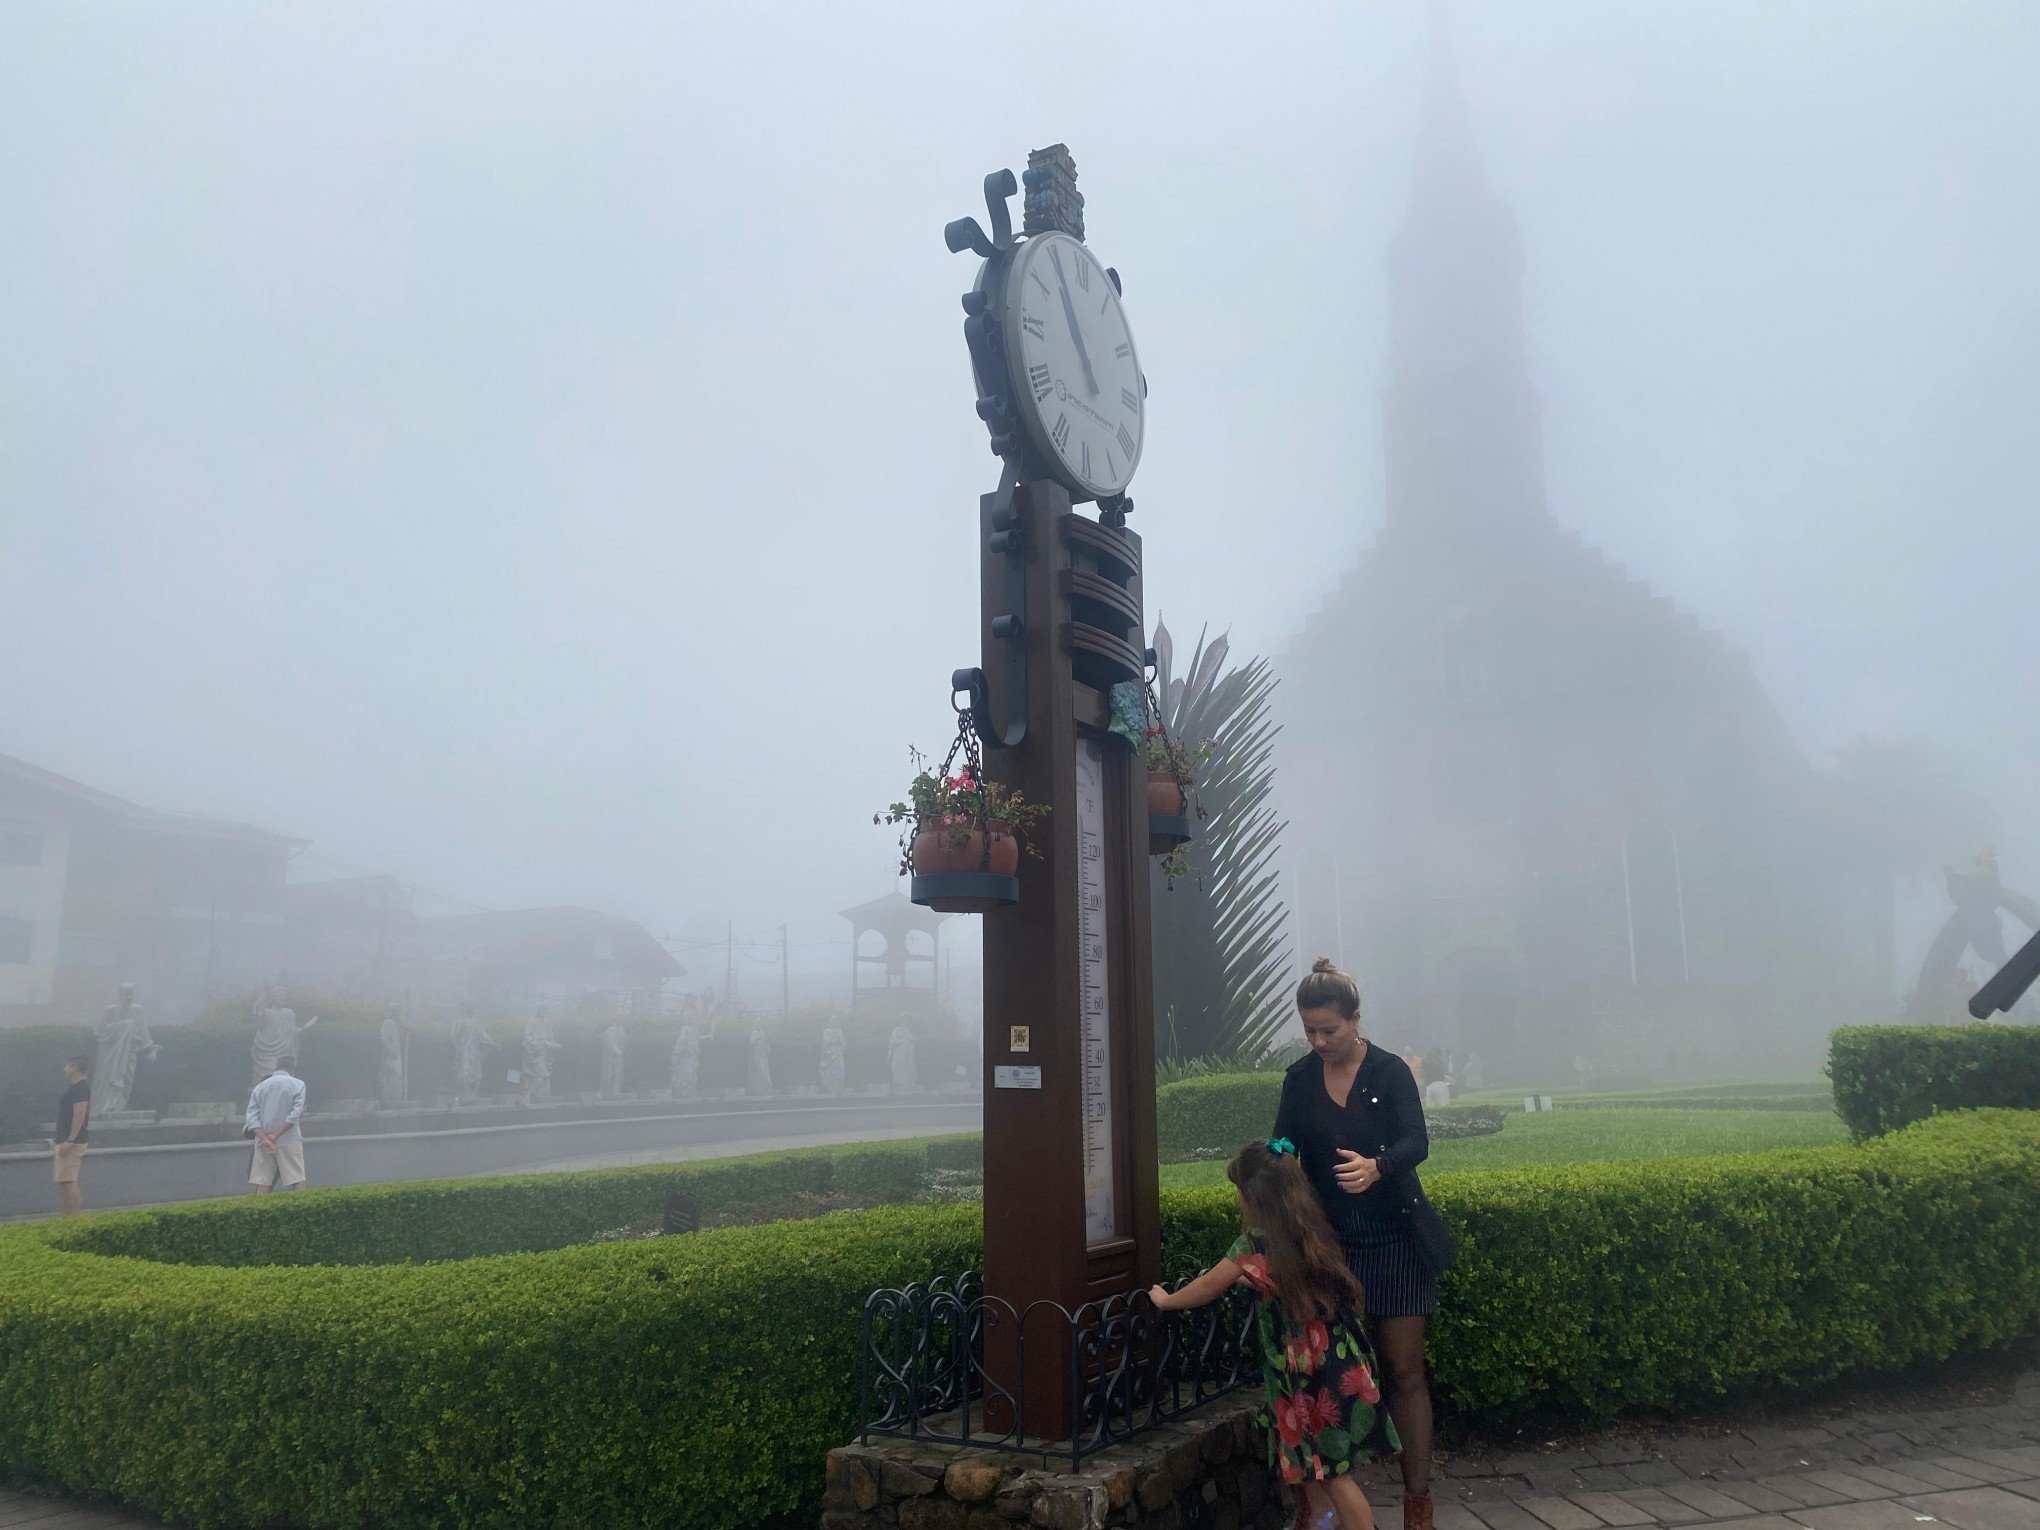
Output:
x=1201 y=1292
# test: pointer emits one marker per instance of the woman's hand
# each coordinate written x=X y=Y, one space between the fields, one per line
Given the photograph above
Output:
x=1161 y=1297
x=1356 y=1174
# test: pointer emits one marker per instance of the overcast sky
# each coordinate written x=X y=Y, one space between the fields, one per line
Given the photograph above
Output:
x=530 y=449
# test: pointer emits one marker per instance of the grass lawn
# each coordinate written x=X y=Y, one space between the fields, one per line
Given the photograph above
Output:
x=1590 y=1136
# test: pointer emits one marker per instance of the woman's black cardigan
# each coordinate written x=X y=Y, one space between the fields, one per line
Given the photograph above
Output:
x=1383 y=1119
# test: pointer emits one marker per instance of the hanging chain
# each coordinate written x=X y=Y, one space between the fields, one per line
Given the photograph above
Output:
x=1154 y=708
x=974 y=765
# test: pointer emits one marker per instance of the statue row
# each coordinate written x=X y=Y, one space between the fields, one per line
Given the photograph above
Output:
x=123 y=1040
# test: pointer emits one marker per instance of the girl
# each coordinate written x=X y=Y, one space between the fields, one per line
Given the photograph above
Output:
x=1324 y=1415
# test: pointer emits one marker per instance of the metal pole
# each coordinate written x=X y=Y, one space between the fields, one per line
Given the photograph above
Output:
x=784 y=980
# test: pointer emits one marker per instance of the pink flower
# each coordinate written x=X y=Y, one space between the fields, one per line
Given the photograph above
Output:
x=1255 y=1268
x=1359 y=1382
x=1320 y=1411
x=1291 y=1420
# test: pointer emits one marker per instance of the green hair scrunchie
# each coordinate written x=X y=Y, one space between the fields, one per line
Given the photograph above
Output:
x=1281 y=1145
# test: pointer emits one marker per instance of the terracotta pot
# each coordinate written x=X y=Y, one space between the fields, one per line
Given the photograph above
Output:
x=935 y=852
x=1165 y=798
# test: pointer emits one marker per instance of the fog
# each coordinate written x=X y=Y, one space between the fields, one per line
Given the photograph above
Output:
x=529 y=450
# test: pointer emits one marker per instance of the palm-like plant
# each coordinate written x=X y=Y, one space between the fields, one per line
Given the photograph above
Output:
x=1221 y=939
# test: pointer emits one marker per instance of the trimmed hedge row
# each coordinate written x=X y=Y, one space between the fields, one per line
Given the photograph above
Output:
x=700 y=1380
x=1888 y=1076
x=1809 y=1102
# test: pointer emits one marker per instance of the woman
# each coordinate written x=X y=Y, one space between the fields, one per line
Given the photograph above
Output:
x=1352 y=1110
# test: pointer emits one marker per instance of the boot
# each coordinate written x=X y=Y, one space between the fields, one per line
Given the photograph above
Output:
x=1416 y=1511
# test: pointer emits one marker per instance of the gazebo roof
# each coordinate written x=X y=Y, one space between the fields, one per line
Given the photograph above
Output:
x=893 y=916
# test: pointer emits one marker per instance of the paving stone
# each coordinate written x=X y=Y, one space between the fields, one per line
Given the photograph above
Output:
x=1885 y=1441
x=1762 y=1522
x=2030 y=1488
x=2024 y=1461
x=1549 y=1480
x=1849 y=1485
x=1663 y=1508
x=1811 y=1495
x=1611 y=1509
x=1709 y=1500
x=1454 y=1516
x=1506 y=1515
x=1896 y=1481
x=1760 y=1499
x=1940 y=1476
x=1608 y=1479
x=1985 y=1508
x=1759 y=1463
x=1883 y=1514
x=1469 y=1465
x=1982 y=1471
x=1562 y=1514
x=1654 y=1473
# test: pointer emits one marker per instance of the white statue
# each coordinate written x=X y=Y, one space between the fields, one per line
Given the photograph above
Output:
x=469 y=1038
x=899 y=1058
x=611 y=1085
x=277 y=1033
x=389 y=1079
x=686 y=1061
x=832 y=1059
x=123 y=1041
x=539 y=1046
x=760 y=1081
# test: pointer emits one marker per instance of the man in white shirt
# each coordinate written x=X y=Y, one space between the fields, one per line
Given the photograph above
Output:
x=273 y=1111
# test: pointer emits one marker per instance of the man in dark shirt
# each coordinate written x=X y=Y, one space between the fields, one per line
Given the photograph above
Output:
x=74 y=1106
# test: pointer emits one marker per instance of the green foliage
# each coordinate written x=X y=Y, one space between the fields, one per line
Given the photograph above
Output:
x=1888 y=1076
x=1567 y=1137
x=1600 y=1289
x=1173 y=1070
x=1221 y=944
x=269 y=1362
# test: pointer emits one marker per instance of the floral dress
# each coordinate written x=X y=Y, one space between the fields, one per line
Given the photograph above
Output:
x=1324 y=1414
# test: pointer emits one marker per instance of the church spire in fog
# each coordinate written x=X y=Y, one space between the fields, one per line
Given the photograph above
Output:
x=1462 y=444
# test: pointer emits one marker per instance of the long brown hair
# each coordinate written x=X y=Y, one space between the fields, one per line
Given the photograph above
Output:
x=1277 y=1202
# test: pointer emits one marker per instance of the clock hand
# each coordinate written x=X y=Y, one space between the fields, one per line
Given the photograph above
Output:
x=1076 y=334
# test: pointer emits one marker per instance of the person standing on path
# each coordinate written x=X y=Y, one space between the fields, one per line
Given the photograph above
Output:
x=1353 y=1112
x=67 y=1142
x=274 y=1109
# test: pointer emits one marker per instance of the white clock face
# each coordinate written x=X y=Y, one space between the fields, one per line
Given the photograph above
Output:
x=1076 y=374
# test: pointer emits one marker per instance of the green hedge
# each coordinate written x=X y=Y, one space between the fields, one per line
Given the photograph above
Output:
x=198 y=1362
x=1606 y=1288
x=1888 y=1076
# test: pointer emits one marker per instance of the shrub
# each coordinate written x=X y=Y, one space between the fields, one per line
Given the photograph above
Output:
x=1604 y=1288
x=699 y=1380
x=1888 y=1076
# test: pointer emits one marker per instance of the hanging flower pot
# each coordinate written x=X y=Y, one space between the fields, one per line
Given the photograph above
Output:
x=962 y=835
x=1167 y=797
x=945 y=849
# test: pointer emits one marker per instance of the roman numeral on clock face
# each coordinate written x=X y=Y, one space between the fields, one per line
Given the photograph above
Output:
x=1122 y=351
x=1087 y=459
x=1044 y=285
x=1129 y=398
x=1061 y=434
x=1084 y=274
x=1037 y=377
x=1035 y=327
x=1125 y=441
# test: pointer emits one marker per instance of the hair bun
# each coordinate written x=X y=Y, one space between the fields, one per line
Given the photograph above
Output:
x=1324 y=964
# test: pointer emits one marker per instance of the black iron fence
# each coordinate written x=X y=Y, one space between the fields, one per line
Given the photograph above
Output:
x=944 y=1362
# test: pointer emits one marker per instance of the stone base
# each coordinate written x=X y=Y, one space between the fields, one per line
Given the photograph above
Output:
x=1206 y=1472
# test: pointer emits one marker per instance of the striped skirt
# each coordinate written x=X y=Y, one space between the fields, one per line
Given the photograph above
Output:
x=1390 y=1267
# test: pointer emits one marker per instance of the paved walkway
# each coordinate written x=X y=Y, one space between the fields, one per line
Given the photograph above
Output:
x=1972 y=1467
x=1885 y=1464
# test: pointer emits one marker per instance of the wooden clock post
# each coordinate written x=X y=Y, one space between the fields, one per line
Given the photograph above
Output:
x=1072 y=1209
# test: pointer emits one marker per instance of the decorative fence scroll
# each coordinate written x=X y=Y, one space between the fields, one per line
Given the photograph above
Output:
x=1130 y=1367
